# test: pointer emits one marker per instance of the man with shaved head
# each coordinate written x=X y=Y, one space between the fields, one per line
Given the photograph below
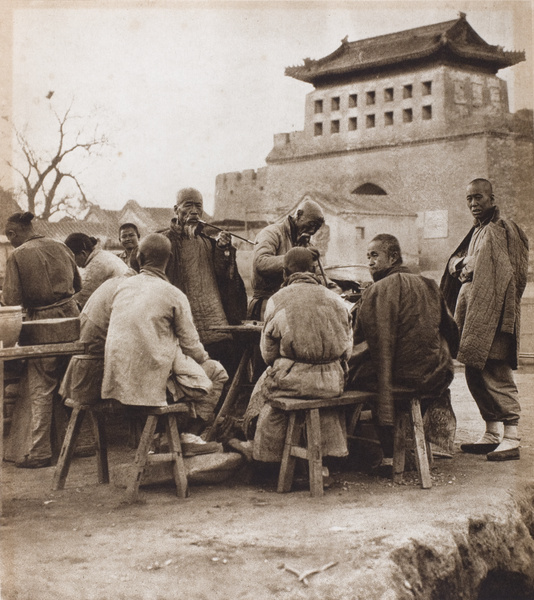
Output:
x=150 y=321
x=306 y=339
x=483 y=284
x=272 y=244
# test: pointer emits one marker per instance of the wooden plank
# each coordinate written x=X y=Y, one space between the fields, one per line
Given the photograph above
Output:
x=299 y=452
x=347 y=398
x=141 y=457
x=180 y=407
x=178 y=466
x=232 y=394
x=67 y=450
x=399 y=445
x=160 y=457
x=421 y=457
x=101 y=440
x=42 y=350
x=287 y=466
x=315 y=455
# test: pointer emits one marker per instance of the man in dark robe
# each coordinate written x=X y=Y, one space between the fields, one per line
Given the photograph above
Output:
x=404 y=337
x=206 y=271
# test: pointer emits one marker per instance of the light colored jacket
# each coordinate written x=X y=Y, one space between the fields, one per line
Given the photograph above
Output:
x=149 y=317
x=306 y=336
x=272 y=243
x=101 y=265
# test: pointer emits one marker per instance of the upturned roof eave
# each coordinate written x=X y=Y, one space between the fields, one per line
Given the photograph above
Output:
x=501 y=61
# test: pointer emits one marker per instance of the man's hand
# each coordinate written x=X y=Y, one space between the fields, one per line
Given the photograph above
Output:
x=224 y=239
x=315 y=252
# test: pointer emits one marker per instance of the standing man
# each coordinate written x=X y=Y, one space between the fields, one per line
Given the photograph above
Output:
x=272 y=244
x=206 y=271
x=483 y=283
x=42 y=277
x=129 y=238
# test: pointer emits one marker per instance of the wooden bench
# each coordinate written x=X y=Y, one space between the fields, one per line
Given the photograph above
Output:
x=304 y=423
x=143 y=457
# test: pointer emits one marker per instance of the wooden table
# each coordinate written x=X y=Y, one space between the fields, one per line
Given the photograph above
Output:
x=20 y=352
x=248 y=336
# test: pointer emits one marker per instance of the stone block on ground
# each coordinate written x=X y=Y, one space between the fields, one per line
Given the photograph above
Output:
x=204 y=468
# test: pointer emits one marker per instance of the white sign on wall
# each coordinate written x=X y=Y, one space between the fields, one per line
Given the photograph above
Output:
x=436 y=224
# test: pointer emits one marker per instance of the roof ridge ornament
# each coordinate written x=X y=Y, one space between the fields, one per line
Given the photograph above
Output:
x=461 y=15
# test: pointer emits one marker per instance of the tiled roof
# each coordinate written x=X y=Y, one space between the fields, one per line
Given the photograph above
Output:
x=62 y=229
x=456 y=39
x=161 y=216
x=355 y=204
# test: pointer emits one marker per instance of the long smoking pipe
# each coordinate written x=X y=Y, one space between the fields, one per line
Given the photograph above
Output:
x=204 y=224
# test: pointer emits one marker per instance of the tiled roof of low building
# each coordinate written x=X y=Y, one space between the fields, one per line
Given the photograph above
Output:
x=355 y=204
x=454 y=39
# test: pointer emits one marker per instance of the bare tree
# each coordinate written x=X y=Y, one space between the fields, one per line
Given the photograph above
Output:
x=43 y=177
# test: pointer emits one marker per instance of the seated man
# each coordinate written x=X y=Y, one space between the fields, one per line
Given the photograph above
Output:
x=147 y=328
x=406 y=337
x=305 y=340
x=83 y=379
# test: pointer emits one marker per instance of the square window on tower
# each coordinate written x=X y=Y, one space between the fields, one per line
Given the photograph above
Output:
x=427 y=112
x=335 y=103
x=370 y=98
x=427 y=88
x=407 y=91
x=407 y=115
x=317 y=129
x=334 y=126
x=388 y=95
x=353 y=123
x=353 y=100
x=318 y=106
x=370 y=121
x=388 y=118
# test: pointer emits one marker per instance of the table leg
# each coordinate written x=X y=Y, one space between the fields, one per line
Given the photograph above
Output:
x=232 y=395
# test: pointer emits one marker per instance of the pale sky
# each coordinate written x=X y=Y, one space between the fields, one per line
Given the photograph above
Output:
x=186 y=91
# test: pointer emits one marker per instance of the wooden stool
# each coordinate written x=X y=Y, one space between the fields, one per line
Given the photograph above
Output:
x=142 y=457
x=304 y=422
x=408 y=418
x=174 y=455
x=97 y=412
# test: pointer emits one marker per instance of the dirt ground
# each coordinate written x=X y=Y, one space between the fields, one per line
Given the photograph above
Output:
x=240 y=539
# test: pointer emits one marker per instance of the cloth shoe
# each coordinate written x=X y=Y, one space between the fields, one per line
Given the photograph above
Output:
x=487 y=443
x=508 y=449
x=33 y=463
x=193 y=445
